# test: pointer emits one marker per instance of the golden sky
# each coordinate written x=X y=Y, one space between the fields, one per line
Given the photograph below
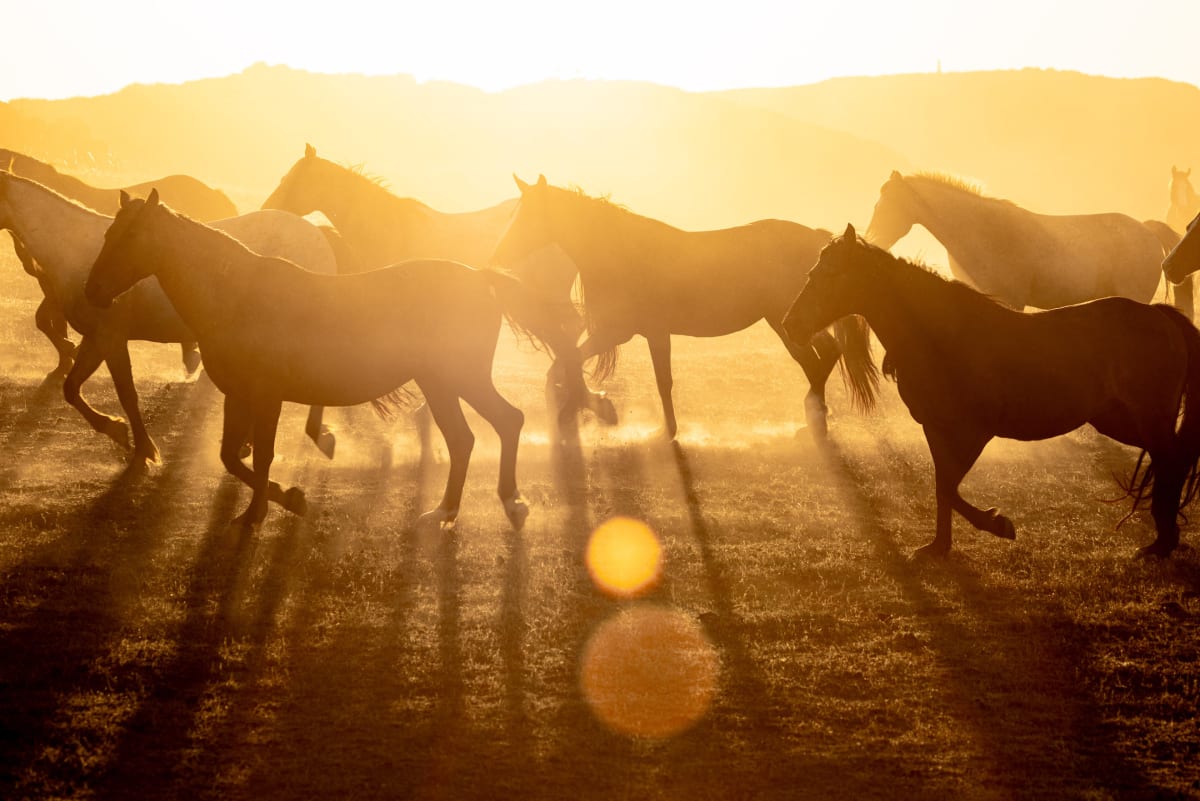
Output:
x=61 y=48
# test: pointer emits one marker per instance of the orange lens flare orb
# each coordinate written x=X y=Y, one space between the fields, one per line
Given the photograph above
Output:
x=624 y=557
x=649 y=672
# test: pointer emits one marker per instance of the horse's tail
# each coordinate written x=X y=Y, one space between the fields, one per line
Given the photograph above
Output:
x=606 y=362
x=1189 y=423
x=859 y=372
x=531 y=316
x=1141 y=481
x=1168 y=237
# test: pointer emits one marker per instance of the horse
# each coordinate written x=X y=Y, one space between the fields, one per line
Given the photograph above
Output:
x=643 y=276
x=272 y=332
x=183 y=192
x=970 y=368
x=1185 y=204
x=380 y=228
x=64 y=236
x=1017 y=256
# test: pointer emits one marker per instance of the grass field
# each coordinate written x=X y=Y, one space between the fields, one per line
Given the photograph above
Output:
x=148 y=649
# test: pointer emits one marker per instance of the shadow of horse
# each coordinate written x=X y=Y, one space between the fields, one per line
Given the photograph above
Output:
x=1056 y=742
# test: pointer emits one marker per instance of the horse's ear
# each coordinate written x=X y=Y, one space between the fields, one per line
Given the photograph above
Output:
x=541 y=180
x=310 y=152
x=850 y=235
x=896 y=176
x=152 y=198
x=524 y=187
x=124 y=198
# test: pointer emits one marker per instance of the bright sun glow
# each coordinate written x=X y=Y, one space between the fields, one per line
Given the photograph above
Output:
x=624 y=557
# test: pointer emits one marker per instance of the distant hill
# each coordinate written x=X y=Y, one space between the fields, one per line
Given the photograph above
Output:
x=1052 y=141
x=1056 y=141
x=695 y=160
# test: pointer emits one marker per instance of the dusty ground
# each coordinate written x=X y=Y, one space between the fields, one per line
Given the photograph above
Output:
x=150 y=650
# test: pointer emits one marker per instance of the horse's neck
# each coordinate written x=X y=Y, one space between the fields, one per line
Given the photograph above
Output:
x=62 y=236
x=366 y=215
x=953 y=215
x=596 y=238
x=911 y=310
x=199 y=268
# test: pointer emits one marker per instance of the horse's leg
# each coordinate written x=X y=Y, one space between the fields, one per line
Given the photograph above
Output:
x=190 y=353
x=660 y=357
x=116 y=356
x=507 y=420
x=816 y=358
x=954 y=452
x=49 y=317
x=87 y=359
x=239 y=420
x=1170 y=473
x=318 y=432
x=599 y=342
x=448 y=414
x=51 y=322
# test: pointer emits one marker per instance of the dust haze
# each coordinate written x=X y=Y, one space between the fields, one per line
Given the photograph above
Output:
x=350 y=653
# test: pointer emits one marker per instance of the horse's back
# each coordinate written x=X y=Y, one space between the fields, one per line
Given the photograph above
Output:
x=189 y=195
x=281 y=234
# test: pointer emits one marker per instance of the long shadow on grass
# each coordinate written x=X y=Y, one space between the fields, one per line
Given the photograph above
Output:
x=32 y=410
x=1014 y=687
x=741 y=750
x=72 y=597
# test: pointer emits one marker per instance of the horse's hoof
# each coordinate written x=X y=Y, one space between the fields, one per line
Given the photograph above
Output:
x=1001 y=526
x=249 y=522
x=934 y=550
x=295 y=502
x=605 y=410
x=147 y=456
x=517 y=510
x=191 y=361
x=816 y=415
x=117 y=430
x=326 y=442
x=1155 y=550
x=444 y=519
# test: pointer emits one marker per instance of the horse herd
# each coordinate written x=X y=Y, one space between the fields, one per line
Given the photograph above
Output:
x=282 y=310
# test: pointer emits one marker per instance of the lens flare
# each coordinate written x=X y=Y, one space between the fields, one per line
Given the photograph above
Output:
x=649 y=672
x=624 y=557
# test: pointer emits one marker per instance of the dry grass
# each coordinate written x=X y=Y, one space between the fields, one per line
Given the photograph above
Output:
x=150 y=650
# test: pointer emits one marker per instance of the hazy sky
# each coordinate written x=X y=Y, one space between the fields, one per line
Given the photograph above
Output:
x=59 y=48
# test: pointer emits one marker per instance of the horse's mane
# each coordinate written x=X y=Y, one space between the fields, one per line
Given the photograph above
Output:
x=959 y=183
x=379 y=186
x=919 y=272
x=51 y=190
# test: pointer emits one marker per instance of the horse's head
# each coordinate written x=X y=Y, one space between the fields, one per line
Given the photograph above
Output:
x=892 y=218
x=301 y=189
x=1182 y=194
x=836 y=285
x=1184 y=258
x=530 y=228
x=117 y=268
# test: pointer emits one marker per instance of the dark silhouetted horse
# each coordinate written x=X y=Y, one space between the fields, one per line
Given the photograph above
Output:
x=970 y=369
